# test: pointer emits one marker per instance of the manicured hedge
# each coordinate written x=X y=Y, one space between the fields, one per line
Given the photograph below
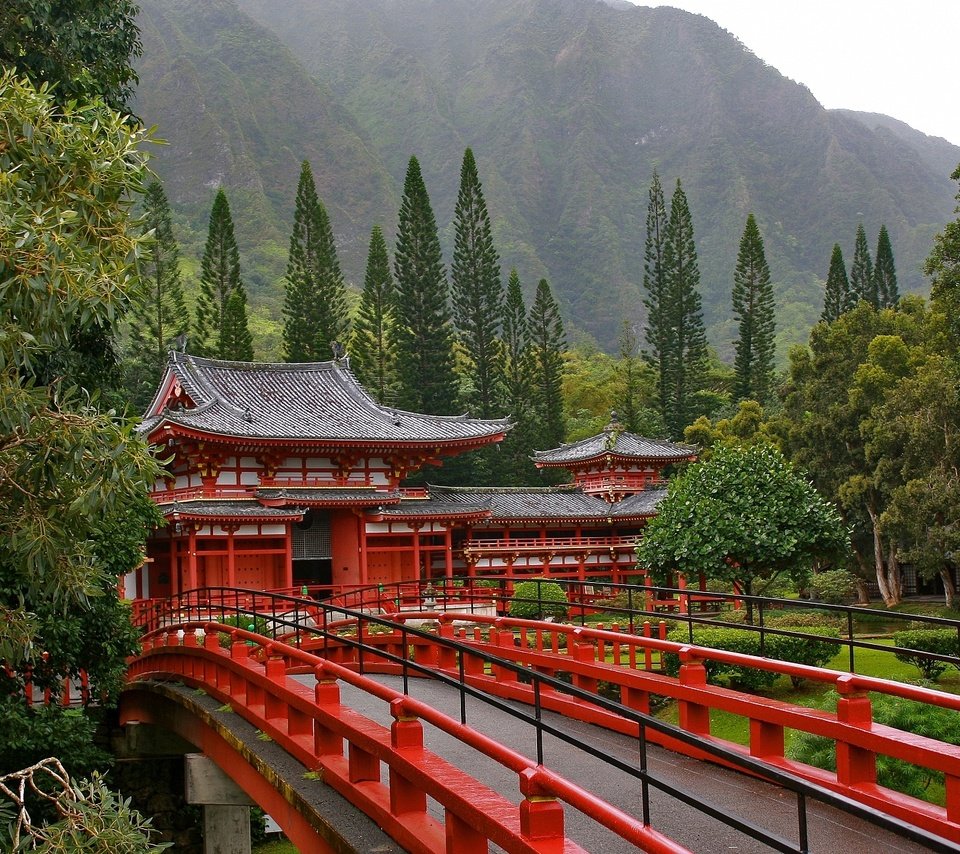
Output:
x=524 y=604
x=799 y=650
x=942 y=641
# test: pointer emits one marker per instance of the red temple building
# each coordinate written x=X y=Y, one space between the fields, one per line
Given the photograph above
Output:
x=288 y=474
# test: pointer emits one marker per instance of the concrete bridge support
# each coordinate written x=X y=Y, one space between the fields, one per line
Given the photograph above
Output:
x=226 y=808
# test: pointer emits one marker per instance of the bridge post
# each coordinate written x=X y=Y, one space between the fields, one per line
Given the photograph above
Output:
x=326 y=742
x=226 y=807
x=694 y=717
x=854 y=764
x=406 y=736
x=541 y=814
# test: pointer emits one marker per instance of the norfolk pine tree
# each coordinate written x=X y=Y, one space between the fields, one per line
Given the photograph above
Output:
x=158 y=315
x=547 y=342
x=516 y=448
x=219 y=278
x=315 y=301
x=687 y=339
x=425 y=362
x=477 y=292
x=885 y=272
x=236 y=343
x=862 y=284
x=837 y=296
x=753 y=309
x=373 y=358
x=657 y=301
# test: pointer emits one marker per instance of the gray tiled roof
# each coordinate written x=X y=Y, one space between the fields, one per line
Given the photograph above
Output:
x=514 y=503
x=219 y=509
x=621 y=444
x=316 y=400
x=332 y=495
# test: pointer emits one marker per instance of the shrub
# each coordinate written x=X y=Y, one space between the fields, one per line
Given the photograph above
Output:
x=256 y=624
x=804 y=620
x=835 y=586
x=941 y=641
x=805 y=650
x=537 y=599
x=906 y=715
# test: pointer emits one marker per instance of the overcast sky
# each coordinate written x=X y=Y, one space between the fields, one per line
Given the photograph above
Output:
x=897 y=58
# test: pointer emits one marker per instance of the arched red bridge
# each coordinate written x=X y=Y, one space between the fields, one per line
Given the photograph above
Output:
x=451 y=731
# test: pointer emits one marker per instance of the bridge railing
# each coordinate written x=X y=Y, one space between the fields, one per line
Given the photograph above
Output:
x=496 y=665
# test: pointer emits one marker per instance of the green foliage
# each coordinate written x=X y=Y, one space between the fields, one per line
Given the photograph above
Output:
x=158 y=315
x=236 y=343
x=906 y=715
x=372 y=356
x=742 y=515
x=257 y=624
x=424 y=335
x=315 y=304
x=537 y=599
x=941 y=641
x=216 y=328
x=885 y=272
x=753 y=309
x=862 y=283
x=547 y=342
x=834 y=586
x=747 y=427
x=80 y=48
x=477 y=294
x=837 y=296
x=805 y=650
x=943 y=267
x=657 y=299
x=686 y=339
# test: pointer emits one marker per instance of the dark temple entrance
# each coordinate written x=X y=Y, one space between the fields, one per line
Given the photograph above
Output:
x=312 y=549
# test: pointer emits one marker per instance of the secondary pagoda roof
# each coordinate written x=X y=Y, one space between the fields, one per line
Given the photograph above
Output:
x=619 y=444
x=219 y=510
x=311 y=402
x=524 y=504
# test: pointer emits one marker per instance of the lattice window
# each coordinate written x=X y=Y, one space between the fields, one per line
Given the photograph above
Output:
x=311 y=537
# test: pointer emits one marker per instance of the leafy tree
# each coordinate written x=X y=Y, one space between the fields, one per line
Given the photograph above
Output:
x=83 y=48
x=657 y=301
x=159 y=315
x=373 y=359
x=477 y=293
x=837 y=296
x=862 y=283
x=943 y=267
x=747 y=427
x=236 y=343
x=687 y=341
x=885 y=272
x=744 y=515
x=315 y=301
x=425 y=360
x=219 y=278
x=547 y=342
x=754 y=310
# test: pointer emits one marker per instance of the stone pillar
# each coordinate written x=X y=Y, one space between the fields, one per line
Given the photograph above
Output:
x=226 y=807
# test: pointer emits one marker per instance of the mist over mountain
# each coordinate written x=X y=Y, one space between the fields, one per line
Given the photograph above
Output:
x=569 y=106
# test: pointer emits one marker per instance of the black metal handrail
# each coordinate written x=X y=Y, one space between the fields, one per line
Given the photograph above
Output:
x=198 y=605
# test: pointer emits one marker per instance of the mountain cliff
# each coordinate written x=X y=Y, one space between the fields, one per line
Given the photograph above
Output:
x=569 y=106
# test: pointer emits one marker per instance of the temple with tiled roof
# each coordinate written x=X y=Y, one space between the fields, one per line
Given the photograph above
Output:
x=281 y=475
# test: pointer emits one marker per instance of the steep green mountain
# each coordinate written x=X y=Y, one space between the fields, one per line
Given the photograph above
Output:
x=569 y=105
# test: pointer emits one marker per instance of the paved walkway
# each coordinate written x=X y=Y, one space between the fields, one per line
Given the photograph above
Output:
x=734 y=794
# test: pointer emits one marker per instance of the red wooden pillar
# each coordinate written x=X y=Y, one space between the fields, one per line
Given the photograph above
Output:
x=288 y=556
x=417 y=568
x=192 y=558
x=448 y=550
x=231 y=557
x=362 y=540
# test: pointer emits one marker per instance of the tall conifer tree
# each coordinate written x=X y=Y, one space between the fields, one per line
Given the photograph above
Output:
x=753 y=309
x=160 y=315
x=373 y=357
x=219 y=278
x=862 y=284
x=837 y=296
x=687 y=342
x=657 y=300
x=315 y=303
x=477 y=292
x=885 y=272
x=425 y=362
x=547 y=343
x=516 y=467
x=236 y=343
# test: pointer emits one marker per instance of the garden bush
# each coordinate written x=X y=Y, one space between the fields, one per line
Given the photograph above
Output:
x=834 y=586
x=525 y=605
x=806 y=650
x=243 y=621
x=941 y=641
x=906 y=715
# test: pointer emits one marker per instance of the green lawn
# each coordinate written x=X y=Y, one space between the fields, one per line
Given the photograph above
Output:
x=279 y=847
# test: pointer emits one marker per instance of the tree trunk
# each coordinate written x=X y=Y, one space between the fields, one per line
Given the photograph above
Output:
x=949 y=588
x=890 y=597
x=863 y=592
x=894 y=581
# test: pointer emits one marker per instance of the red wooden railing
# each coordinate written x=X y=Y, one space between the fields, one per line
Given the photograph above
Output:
x=312 y=725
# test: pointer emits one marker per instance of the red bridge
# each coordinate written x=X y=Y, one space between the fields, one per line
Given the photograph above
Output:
x=450 y=729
